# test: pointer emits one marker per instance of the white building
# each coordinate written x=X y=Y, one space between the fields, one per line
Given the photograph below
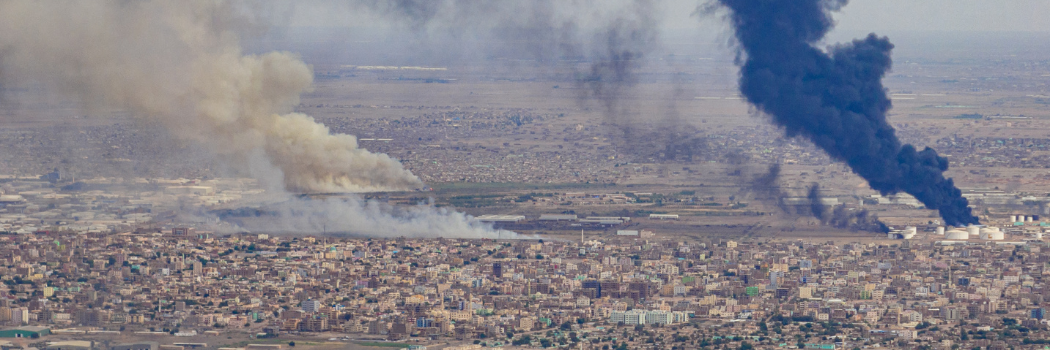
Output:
x=635 y=317
x=311 y=306
x=659 y=317
x=631 y=317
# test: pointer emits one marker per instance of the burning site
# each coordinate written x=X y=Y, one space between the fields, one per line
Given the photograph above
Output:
x=523 y=175
x=499 y=120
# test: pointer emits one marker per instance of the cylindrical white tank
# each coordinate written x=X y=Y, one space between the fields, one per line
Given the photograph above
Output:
x=996 y=235
x=940 y=230
x=956 y=234
x=908 y=234
x=973 y=230
x=989 y=233
x=1013 y=218
x=1028 y=219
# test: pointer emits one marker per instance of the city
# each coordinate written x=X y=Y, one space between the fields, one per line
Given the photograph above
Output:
x=521 y=175
x=193 y=287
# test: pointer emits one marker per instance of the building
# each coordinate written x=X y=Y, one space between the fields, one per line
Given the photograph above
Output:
x=663 y=216
x=632 y=317
x=25 y=332
x=659 y=317
x=311 y=306
x=182 y=231
x=951 y=313
x=69 y=345
x=263 y=347
x=497 y=270
x=501 y=218
x=148 y=345
x=558 y=217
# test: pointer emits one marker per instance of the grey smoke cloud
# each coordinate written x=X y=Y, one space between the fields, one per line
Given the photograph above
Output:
x=356 y=216
x=181 y=65
x=604 y=43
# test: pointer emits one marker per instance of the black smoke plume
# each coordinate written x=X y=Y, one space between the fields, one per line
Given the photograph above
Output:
x=816 y=207
x=835 y=98
x=856 y=220
x=767 y=188
x=841 y=217
x=619 y=51
x=417 y=13
x=767 y=183
x=534 y=30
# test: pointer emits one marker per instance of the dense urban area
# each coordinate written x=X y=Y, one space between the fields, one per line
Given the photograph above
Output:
x=623 y=292
x=216 y=184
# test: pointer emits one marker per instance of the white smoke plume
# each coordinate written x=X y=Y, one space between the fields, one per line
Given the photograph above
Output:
x=179 y=63
x=355 y=216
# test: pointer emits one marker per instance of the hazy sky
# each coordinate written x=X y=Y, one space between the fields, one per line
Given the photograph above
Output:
x=859 y=15
x=915 y=26
x=946 y=15
x=917 y=15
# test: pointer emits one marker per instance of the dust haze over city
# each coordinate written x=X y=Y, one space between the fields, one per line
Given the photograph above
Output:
x=523 y=174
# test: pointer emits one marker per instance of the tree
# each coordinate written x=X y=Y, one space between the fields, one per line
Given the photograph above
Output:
x=525 y=340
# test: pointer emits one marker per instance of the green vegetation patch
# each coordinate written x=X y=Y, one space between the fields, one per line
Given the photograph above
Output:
x=969 y=116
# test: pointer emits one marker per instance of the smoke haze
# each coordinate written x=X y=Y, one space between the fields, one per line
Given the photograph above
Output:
x=841 y=217
x=836 y=98
x=355 y=216
x=606 y=43
x=180 y=65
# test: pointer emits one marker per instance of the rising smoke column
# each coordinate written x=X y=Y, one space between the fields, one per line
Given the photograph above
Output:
x=835 y=98
x=620 y=48
x=609 y=39
x=179 y=64
x=841 y=217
